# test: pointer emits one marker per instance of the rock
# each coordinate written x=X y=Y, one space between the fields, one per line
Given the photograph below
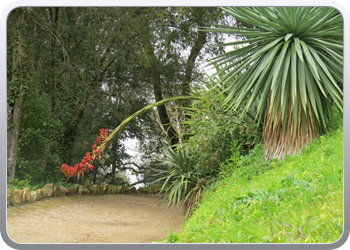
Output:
x=64 y=190
x=73 y=190
x=9 y=197
x=148 y=190
x=83 y=190
x=132 y=190
x=100 y=190
x=26 y=195
x=41 y=193
x=112 y=189
x=18 y=197
x=105 y=189
x=34 y=195
x=156 y=188
x=87 y=185
x=140 y=190
x=124 y=190
x=49 y=189
x=58 y=192
x=94 y=189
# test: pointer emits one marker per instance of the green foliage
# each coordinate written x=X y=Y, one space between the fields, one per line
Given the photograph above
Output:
x=254 y=163
x=215 y=136
x=85 y=76
x=20 y=184
x=295 y=52
x=290 y=59
x=298 y=200
x=215 y=130
x=184 y=180
x=172 y=238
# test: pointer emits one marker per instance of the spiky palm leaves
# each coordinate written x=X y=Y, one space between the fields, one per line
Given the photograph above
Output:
x=292 y=59
x=183 y=180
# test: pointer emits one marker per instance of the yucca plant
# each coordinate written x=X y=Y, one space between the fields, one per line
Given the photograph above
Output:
x=291 y=58
x=183 y=180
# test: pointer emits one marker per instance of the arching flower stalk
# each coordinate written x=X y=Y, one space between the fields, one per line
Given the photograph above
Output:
x=104 y=139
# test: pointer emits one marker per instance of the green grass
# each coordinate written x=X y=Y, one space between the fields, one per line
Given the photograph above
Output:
x=297 y=200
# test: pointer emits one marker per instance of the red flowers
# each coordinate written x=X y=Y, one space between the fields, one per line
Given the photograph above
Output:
x=68 y=171
x=99 y=146
x=85 y=163
x=98 y=140
x=103 y=133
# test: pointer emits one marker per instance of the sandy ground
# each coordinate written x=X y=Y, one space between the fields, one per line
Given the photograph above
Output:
x=93 y=219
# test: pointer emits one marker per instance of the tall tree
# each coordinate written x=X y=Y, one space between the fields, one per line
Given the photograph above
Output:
x=90 y=68
x=292 y=60
x=171 y=45
x=18 y=80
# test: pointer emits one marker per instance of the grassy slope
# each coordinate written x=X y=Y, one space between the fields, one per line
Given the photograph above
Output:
x=297 y=200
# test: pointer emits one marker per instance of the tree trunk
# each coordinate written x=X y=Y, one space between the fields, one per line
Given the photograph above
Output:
x=154 y=71
x=16 y=91
x=280 y=140
x=198 y=45
x=163 y=115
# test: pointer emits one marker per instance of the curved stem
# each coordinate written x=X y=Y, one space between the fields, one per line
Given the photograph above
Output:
x=141 y=111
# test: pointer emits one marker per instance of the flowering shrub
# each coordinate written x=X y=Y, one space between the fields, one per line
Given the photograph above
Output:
x=86 y=162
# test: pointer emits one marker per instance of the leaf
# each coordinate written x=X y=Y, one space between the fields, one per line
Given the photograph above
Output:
x=309 y=219
x=298 y=48
x=309 y=59
x=286 y=38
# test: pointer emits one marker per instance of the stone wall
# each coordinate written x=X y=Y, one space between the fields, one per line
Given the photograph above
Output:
x=18 y=197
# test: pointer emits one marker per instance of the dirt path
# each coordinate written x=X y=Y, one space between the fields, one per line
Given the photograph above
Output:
x=93 y=219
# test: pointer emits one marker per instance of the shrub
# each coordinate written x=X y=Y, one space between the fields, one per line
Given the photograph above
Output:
x=20 y=184
x=183 y=179
x=213 y=129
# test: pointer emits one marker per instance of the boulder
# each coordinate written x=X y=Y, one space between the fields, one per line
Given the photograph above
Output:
x=105 y=189
x=83 y=190
x=94 y=189
x=18 y=197
x=26 y=195
x=9 y=197
x=34 y=195
x=148 y=190
x=141 y=190
x=156 y=188
x=124 y=190
x=58 y=192
x=100 y=189
x=87 y=185
x=49 y=189
x=132 y=190
x=41 y=193
x=112 y=189
x=64 y=190
x=73 y=190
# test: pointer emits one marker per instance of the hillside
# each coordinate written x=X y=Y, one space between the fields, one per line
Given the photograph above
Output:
x=297 y=200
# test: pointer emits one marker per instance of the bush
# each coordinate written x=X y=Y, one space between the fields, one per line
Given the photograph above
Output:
x=214 y=135
x=183 y=179
x=20 y=184
x=213 y=128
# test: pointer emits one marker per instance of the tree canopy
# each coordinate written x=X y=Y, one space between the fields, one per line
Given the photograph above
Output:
x=74 y=70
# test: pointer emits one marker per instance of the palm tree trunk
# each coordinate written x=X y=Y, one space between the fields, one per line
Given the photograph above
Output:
x=279 y=141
